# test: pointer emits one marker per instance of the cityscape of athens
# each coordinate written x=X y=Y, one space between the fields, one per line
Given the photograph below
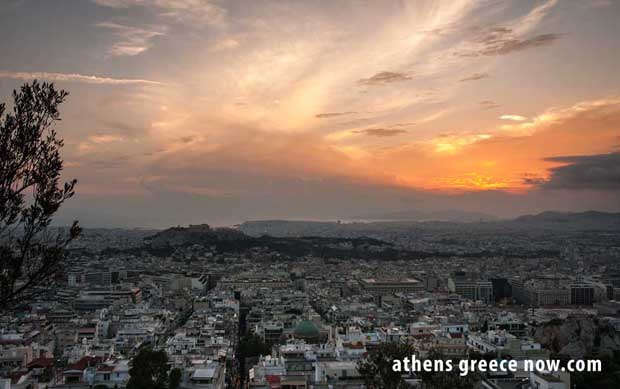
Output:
x=309 y=194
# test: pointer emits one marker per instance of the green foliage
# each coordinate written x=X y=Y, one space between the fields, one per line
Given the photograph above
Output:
x=252 y=345
x=608 y=377
x=376 y=368
x=451 y=379
x=149 y=370
x=31 y=193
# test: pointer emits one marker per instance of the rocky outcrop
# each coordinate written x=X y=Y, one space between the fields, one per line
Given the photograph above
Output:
x=578 y=336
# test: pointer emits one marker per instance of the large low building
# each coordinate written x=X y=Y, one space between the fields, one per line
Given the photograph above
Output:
x=390 y=285
x=251 y=280
x=96 y=299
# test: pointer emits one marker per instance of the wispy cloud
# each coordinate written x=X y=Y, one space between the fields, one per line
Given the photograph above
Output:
x=501 y=41
x=227 y=43
x=196 y=12
x=380 y=132
x=475 y=77
x=533 y=18
x=516 y=118
x=105 y=138
x=489 y=104
x=405 y=124
x=385 y=78
x=510 y=37
x=510 y=45
x=74 y=77
x=131 y=40
x=451 y=143
x=328 y=115
x=556 y=115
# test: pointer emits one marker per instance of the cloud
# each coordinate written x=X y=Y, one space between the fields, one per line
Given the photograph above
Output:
x=111 y=163
x=74 y=77
x=131 y=40
x=121 y=127
x=196 y=12
x=105 y=138
x=489 y=104
x=95 y=141
x=191 y=13
x=450 y=143
x=406 y=124
x=534 y=17
x=384 y=78
x=502 y=41
x=531 y=179
x=600 y=171
x=310 y=178
x=517 y=118
x=328 y=115
x=225 y=44
x=475 y=77
x=380 y=132
x=512 y=37
x=592 y=109
x=511 y=45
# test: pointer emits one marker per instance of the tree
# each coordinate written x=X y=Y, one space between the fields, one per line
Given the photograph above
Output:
x=450 y=379
x=149 y=370
x=252 y=345
x=31 y=193
x=175 y=378
x=377 y=368
x=608 y=377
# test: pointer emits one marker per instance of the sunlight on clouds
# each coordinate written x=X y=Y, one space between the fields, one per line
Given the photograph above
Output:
x=516 y=118
x=556 y=115
x=453 y=143
x=394 y=93
x=474 y=181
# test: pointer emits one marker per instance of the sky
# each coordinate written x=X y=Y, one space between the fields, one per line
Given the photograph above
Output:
x=204 y=111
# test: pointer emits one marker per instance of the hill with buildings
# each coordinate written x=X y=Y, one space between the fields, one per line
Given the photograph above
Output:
x=228 y=240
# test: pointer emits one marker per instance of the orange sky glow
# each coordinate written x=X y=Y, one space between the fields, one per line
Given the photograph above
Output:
x=235 y=101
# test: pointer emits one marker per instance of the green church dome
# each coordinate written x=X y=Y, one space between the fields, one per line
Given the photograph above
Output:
x=306 y=330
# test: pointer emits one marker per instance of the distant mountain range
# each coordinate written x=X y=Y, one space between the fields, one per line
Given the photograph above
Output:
x=441 y=216
x=359 y=239
x=593 y=218
x=582 y=220
x=561 y=221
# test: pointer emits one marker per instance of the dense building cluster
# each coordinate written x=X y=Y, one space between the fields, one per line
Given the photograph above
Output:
x=257 y=319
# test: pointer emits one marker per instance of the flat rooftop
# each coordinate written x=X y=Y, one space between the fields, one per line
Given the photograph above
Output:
x=388 y=281
x=204 y=373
